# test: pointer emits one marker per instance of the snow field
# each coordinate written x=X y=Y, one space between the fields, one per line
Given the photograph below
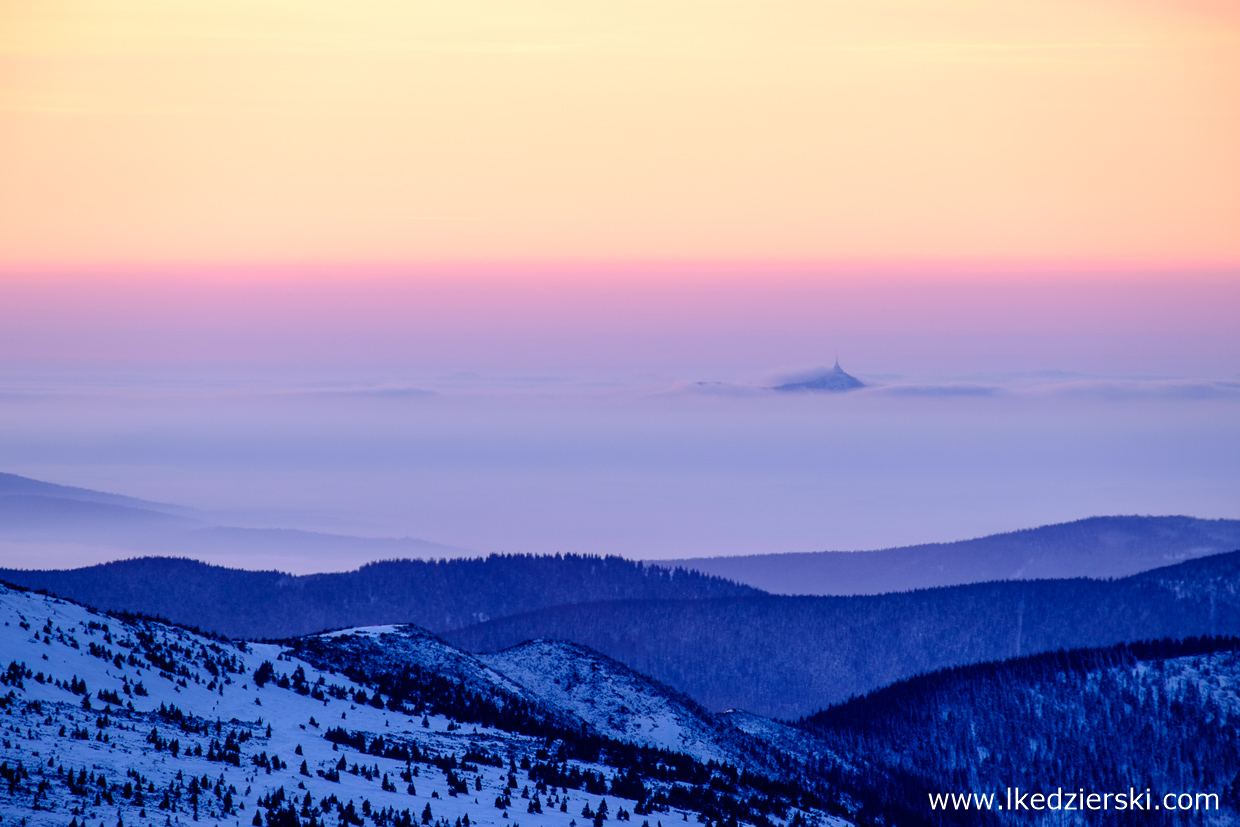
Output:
x=111 y=722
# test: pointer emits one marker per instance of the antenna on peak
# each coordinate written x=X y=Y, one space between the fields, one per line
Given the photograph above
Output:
x=837 y=360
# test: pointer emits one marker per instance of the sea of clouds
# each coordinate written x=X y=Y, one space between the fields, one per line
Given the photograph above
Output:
x=640 y=465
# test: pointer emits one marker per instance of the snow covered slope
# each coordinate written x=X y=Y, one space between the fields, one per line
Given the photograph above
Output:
x=797 y=746
x=127 y=721
x=406 y=649
x=615 y=700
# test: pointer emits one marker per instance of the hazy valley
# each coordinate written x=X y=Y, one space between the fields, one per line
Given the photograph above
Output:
x=524 y=689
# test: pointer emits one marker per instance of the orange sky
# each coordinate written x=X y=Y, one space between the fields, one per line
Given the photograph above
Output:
x=156 y=133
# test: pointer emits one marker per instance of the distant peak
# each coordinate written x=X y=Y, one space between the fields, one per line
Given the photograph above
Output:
x=834 y=380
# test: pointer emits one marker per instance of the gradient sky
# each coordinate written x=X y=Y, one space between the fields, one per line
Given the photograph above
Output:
x=137 y=134
x=670 y=324
x=519 y=274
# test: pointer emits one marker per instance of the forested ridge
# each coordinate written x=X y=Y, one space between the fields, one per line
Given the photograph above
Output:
x=788 y=656
x=1158 y=715
x=435 y=594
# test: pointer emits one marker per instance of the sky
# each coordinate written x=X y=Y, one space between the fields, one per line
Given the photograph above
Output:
x=157 y=134
x=519 y=276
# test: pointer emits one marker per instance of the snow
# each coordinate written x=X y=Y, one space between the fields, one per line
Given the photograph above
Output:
x=787 y=744
x=62 y=644
x=364 y=631
x=615 y=700
x=410 y=645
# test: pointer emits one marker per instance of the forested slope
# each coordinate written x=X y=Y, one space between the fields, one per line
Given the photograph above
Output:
x=435 y=594
x=1159 y=716
x=788 y=656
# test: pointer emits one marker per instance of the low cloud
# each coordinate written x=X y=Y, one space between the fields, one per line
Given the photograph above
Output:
x=950 y=390
x=1136 y=389
x=377 y=392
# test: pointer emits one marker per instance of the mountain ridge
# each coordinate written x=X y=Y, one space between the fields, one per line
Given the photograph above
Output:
x=783 y=656
x=1103 y=546
x=436 y=594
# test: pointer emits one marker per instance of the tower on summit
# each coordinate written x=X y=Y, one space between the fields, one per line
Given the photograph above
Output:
x=834 y=380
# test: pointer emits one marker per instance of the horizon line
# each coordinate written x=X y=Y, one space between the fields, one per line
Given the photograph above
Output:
x=554 y=269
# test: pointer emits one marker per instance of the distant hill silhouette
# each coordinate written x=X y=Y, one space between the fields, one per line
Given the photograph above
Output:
x=36 y=518
x=437 y=595
x=789 y=656
x=35 y=512
x=14 y=485
x=834 y=380
x=1094 y=547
